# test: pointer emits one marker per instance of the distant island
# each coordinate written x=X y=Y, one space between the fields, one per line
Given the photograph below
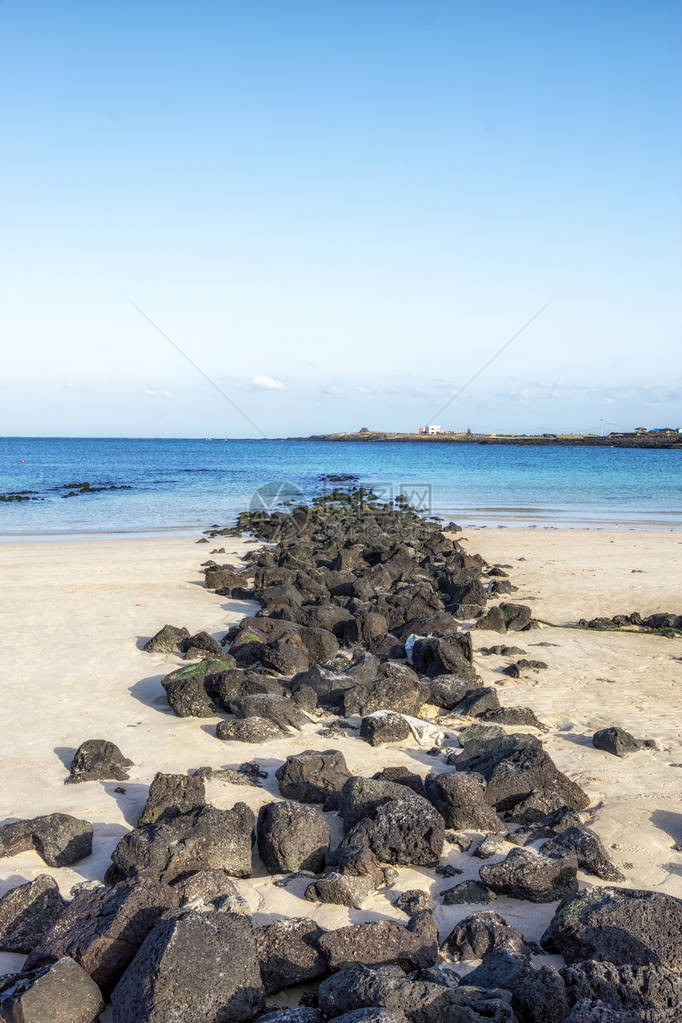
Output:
x=668 y=437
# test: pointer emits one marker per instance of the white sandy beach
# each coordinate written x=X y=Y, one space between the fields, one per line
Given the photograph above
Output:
x=74 y=614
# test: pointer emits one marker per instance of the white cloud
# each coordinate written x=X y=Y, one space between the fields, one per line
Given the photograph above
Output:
x=267 y=383
x=151 y=392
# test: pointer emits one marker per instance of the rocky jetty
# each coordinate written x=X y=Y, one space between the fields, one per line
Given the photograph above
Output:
x=364 y=630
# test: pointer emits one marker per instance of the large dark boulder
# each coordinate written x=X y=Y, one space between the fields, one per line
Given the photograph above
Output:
x=61 y=993
x=289 y=953
x=188 y=690
x=404 y=832
x=396 y=693
x=435 y=656
x=251 y=729
x=624 y=926
x=97 y=760
x=171 y=794
x=460 y=798
x=362 y=797
x=28 y=912
x=58 y=838
x=623 y=987
x=313 y=776
x=102 y=929
x=383 y=728
x=278 y=709
x=413 y=946
x=203 y=839
x=526 y=874
x=292 y=837
x=167 y=640
x=591 y=854
x=194 y=965
x=538 y=995
x=477 y=935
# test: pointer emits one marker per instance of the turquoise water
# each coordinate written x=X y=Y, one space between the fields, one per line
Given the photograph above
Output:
x=190 y=484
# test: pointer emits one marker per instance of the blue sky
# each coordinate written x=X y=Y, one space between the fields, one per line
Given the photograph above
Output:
x=340 y=212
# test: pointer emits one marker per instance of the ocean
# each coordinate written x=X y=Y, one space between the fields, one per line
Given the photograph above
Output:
x=187 y=485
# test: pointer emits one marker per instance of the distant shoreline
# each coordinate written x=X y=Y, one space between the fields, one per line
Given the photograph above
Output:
x=668 y=440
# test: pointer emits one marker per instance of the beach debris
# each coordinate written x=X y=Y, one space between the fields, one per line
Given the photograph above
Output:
x=98 y=760
x=27 y=913
x=619 y=742
x=58 y=838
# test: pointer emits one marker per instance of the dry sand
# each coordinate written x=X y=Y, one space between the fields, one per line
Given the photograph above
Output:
x=74 y=615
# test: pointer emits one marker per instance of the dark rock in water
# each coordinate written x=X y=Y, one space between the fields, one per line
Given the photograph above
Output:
x=623 y=987
x=362 y=797
x=200 y=646
x=414 y=901
x=252 y=729
x=619 y=742
x=538 y=996
x=516 y=716
x=194 y=965
x=58 y=838
x=405 y=832
x=102 y=929
x=466 y=893
x=171 y=794
x=591 y=854
x=460 y=799
x=313 y=776
x=386 y=728
x=434 y=656
x=395 y=694
x=401 y=776
x=62 y=993
x=204 y=839
x=292 y=837
x=413 y=946
x=525 y=874
x=624 y=926
x=478 y=702
x=289 y=953
x=27 y=913
x=167 y=640
x=278 y=709
x=97 y=760
x=478 y=934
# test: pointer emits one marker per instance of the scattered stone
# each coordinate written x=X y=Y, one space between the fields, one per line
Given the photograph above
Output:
x=313 y=776
x=167 y=640
x=292 y=837
x=28 y=912
x=98 y=760
x=252 y=729
x=624 y=926
x=619 y=742
x=59 y=839
x=525 y=874
x=194 y=964
x=61 y=993
x=467 y=892
x=478 y=934
x=414 y=901
x=385 y=728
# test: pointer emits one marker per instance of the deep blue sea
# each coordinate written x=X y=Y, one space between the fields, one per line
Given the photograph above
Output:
x=191 y=484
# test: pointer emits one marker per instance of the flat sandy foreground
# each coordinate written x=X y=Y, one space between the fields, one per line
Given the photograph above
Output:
x=74 y=615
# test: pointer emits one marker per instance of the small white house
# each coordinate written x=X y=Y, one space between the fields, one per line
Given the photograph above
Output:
x=434 y=429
